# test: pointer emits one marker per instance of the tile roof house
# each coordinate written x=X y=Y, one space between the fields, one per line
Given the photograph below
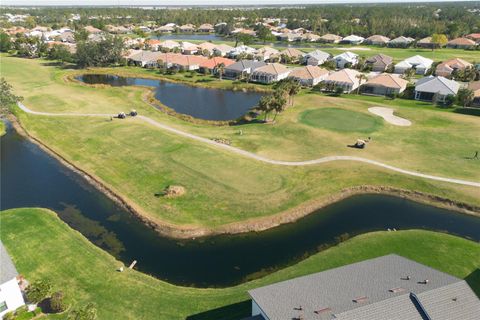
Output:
x=446 y=68
x=187 y=28
x=294 y=54
x=270 y=73
x=377 y=40
x=461 y=43
x=11 y=296
x=348 y=79
x=309 y=75
x=222 y=50
x=435 y=89
x=389 y=287
x=91 y=29
x=400 y=42
x=153 y=44
x=290 y=37
x=310 y=37
x=345 y=58
x=474 y=36
x=379 y=62
x=210 y=64
x=206 y=47
x=384 y=84
x=353 y=39
x=475 y=87
x=419 y=63
x=330 y=38
x=206 y=27
x=427 y=43
x=146 y=58
x=188 y=47
x=315 y=57
x=169 y=44
x=165 y=29
x=265 y=53
x=240 y=50
x=242 y=68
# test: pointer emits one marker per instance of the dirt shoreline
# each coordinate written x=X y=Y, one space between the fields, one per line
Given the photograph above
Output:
x=251 y=225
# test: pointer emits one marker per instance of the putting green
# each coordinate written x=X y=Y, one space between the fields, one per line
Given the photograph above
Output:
x=340 y=120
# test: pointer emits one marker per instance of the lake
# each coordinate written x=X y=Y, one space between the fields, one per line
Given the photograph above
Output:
x=202 y=103
x=32 y=178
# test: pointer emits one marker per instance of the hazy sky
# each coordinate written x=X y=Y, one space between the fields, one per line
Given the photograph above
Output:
x=187 y=2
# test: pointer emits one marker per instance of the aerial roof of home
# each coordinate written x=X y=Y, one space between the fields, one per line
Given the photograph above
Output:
x=7 y=268
x=91 y=29
x=418 y=60
x=223 y=47
x=455 y=63
x=317 y=54
x=215 y=61
x=205 y=26
x=331 y=37
x=353 y=38
x=345 y=76
x=370 y=289
x=382 y=58
x=388 y=80
x=402 y=39
x=292 y=52
x=347 y=55
x=474 y=36
x=462 y=42
x=170 y=44
x=272 y=68
x=475 y=87
x=246 y=64
x=437 y=85
x=308 y=72
x=206 y=46
x=378 y=38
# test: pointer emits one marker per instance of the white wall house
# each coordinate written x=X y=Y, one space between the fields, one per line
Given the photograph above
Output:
x=347 y=57
x=11 y=297
x=419 y=63
x=435 y=89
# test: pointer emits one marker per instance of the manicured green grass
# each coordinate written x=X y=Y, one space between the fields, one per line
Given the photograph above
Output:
x=138 y=160
x=43 y=247
x=340 y=120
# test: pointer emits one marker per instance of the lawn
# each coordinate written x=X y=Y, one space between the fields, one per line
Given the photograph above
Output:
x=137 y=160
x=43 y=247
x=2 y=128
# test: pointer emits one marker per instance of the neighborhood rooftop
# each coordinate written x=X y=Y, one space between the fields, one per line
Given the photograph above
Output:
x=389 y=285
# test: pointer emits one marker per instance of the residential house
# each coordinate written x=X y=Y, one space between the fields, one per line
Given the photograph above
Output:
x=11 y=297
x=388 y=287
x=401 y=42
x=474 y=36
x=330 y=38
x=185 y=62
x=384 y=84
x=315 y=57
x=379 y=62
x=266 y=54
x=242 y=68
x=290 y=37
x=117 y=29
x=169 y=45
x=153 y=44
x=144 y=29
x=475 y=87
x=419 y=63
x=222 y=50
x=348 y=79
x=92 y=30
x=446 y=68
x=146 y=58
x=309 y=75
x=210 y=65
x=270 y=73
x=461 y=43
x=435 y=89
x=377 y=40
x=310 y=37
x=188 y=47
x=294 y=55
x=241 y=50
x=165 y=29
x=67 y=36
x=427 y=43
x=347 y=58
x=206 y=27
x=353 y=39
x=206 y=48
x=187 y=28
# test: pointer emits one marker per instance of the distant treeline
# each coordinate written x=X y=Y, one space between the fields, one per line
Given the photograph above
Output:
x=414 y=20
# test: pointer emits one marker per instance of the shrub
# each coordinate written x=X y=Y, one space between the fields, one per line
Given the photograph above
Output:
x=339 y=91
x=57 y=303
x=39 y=290
x=87 y=312
x=9 y=316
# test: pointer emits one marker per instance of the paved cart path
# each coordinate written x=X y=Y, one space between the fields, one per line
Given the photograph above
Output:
x=258 y=157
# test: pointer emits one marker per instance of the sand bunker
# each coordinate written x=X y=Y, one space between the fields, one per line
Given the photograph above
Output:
x=387 y=114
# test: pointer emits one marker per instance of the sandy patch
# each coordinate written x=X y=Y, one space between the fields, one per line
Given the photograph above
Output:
x=387 y=114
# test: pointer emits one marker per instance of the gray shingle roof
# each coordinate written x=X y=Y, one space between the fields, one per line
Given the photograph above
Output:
x=245 y=64
x=335 y=290
x=437 y=85
x=7 y=268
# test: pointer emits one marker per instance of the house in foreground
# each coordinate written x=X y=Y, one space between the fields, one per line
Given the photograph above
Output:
x=384 y=84
x=475 y=87
x=242 y=68
x=270 y=73
x=315 y=57
x=379 y=62
x=435 y=89
x=389 y=287
x=461 y=43
x=446 y=68
x=308 y=76
x=347 y=79
x=11 y=297
x=418 y=63
x=377 y=40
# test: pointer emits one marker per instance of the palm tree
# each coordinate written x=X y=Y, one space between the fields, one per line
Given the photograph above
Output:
x=293 y=89
x=220 y=70
x=360 y=78
x=278 y=104
x=161 y=65
x=266 y=105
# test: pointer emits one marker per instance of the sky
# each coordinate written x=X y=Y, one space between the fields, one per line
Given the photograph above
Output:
x=189 y=2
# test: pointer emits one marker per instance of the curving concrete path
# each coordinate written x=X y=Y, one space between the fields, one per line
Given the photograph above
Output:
x=258 y=157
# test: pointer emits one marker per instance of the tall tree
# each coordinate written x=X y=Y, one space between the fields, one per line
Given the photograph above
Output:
x=465 y=97
x=7 y=98
x=5 y=42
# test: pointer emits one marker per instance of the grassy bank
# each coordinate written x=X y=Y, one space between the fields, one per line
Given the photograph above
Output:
x=43 y=247
x=137 y=160
x=3 y=128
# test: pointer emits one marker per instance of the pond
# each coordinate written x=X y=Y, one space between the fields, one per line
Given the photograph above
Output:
x=202 y=103
x=32 y=178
